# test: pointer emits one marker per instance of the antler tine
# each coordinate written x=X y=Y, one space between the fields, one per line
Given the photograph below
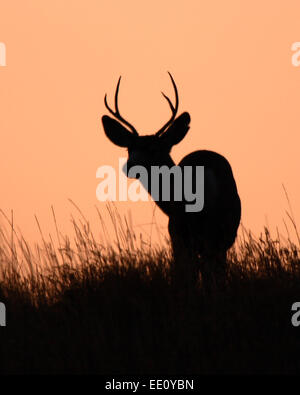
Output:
x=116 y=113
x=174 y=109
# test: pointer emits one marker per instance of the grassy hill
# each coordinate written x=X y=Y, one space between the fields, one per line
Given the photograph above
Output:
x=113 y=309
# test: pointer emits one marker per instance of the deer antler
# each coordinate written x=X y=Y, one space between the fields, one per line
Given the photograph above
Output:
x=117 y=112
x=173 y=109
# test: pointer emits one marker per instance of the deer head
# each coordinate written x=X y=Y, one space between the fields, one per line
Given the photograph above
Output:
x=146 y=150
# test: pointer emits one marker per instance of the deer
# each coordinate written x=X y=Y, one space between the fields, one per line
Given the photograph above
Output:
x=200 y=240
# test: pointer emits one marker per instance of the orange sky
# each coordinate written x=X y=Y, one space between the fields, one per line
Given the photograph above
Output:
x=231 y=61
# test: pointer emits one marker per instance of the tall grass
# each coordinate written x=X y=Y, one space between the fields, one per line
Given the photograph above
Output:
x=83 y=305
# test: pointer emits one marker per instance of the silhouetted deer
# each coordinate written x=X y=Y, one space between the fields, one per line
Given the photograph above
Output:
x=201 y=239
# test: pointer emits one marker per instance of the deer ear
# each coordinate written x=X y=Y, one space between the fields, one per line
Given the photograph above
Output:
x=116 y=132
x=177 y=131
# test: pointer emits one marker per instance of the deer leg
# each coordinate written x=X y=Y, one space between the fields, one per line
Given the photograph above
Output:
x=220 y=269
x=184 y=270
x=213 y=268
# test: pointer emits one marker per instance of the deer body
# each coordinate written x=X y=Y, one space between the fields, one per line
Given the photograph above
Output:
x=196 y=236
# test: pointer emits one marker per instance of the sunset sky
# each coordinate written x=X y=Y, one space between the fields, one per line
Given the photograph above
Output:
x=232 y=63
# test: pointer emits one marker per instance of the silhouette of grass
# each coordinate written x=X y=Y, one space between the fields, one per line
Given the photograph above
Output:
x=84 y=306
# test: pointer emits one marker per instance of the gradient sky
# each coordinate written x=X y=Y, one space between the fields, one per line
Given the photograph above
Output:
x=232 y=65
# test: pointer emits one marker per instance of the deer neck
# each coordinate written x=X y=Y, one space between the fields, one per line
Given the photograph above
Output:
x=168 y=207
